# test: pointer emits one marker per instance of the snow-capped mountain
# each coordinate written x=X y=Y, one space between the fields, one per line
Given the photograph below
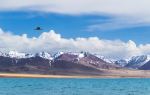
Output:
x=122 y=62
x=44 y=62
x=84 y=58
x=19 y=55
x=15 y=54
x=105 y=59
x=134 y=62
x=45 y=55
x=79 y=54
x=57 y=54
x=138 y=61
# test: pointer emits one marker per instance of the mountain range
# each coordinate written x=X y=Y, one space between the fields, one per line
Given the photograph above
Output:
x=67 y=63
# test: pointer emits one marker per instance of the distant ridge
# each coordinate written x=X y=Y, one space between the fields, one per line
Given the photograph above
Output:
x=67 y=63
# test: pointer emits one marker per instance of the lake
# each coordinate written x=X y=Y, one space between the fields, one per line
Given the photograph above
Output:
x=33 y=86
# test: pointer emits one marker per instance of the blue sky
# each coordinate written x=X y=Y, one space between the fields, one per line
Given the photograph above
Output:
x=69 y=26
x=113 y=28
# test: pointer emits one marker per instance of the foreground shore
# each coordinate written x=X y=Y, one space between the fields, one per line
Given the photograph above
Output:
x=9 y=75
x=107 y=74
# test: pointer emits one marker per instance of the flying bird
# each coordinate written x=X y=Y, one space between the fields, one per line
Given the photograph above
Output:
x=38 y=28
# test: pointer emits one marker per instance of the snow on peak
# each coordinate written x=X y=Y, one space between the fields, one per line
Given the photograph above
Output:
x=58 y=54
x=134 y=61
x=15 y=54
x=122 y=62
x=79 y=54
x=140 y=59
x=45 y=55
x=148 y=58
x=105 y=59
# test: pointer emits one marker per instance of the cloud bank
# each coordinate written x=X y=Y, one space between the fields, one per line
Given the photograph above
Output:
x=116 y=7
x=53 y=42
x=124 y=13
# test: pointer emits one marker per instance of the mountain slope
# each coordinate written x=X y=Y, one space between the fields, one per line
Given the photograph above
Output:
x=146 y=66
x=62 y=63
x=67 y=63
x=24 y=65
x=138 y=61
x=86 y=59
x=122 y=62
x=69 y=68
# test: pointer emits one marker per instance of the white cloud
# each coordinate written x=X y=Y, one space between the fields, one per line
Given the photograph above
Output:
x=125 y=7
x=53 y=42
x=131 y=12
x=116 y=23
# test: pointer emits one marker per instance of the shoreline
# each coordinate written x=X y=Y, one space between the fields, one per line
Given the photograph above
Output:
x=13 y=75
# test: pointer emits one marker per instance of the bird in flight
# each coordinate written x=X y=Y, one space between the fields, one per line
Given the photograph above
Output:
x=38 y=28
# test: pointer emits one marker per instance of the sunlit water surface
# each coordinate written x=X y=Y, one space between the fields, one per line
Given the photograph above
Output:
x=33 y=86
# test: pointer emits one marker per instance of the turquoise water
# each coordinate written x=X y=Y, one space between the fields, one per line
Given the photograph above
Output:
x=32 y=86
